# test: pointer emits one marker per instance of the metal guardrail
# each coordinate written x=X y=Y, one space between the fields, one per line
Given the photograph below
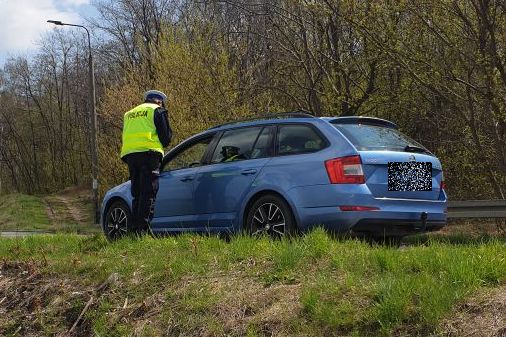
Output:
x=477 y=209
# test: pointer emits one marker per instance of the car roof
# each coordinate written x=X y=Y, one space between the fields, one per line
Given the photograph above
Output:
x=263 y=122
x=290 y=117
x=361 y=120
x=298 y=117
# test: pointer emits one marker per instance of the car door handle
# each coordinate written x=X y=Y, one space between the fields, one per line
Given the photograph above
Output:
x=187 y=178
x=248 y=172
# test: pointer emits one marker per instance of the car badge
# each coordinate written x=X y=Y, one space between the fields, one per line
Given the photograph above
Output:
x=412 y=158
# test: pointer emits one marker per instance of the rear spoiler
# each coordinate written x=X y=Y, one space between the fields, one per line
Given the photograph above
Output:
x=364 y=120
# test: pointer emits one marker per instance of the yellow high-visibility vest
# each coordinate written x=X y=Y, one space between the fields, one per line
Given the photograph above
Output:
x=139 y=130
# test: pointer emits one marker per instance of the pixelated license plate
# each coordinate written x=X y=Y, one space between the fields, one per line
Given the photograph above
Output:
x=410 y=176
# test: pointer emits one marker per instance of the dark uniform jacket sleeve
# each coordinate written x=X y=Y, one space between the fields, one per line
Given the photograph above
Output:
x=161 y=120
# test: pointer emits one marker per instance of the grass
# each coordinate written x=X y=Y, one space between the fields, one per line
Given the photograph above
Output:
x=19 y=211
x=68 y=211
x=310 y=286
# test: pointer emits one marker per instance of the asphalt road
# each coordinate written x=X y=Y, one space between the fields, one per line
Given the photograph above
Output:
x=24 y=233
x=14 y=234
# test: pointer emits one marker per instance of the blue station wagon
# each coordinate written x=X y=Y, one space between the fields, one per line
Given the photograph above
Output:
x=289 y=173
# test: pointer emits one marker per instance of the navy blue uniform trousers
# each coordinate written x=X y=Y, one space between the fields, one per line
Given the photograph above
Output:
x=144 y=169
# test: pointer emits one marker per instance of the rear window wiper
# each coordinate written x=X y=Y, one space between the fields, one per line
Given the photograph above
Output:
x=412 y=148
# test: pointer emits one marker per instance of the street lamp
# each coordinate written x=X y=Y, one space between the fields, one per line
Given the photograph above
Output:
x=94 y=150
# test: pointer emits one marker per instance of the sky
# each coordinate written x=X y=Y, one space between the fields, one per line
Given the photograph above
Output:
x=23 y=22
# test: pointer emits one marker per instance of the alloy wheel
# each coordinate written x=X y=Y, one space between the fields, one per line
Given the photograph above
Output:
x=268 y=219
x=117 y=223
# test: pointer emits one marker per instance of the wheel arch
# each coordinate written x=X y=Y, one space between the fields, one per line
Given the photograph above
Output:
x=108 y=204
x=257 y=195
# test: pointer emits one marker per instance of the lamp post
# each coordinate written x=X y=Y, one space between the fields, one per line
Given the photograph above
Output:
x=94 y=150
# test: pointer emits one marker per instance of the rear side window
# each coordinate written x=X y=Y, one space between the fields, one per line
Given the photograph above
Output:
x=295 y=139
x=236 y=145
x=371 y=137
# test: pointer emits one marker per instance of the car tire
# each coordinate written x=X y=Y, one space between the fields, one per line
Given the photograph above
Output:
x=117 y=221
x=270 y=215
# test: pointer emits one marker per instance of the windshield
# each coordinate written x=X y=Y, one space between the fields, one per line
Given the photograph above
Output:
x=371 y=137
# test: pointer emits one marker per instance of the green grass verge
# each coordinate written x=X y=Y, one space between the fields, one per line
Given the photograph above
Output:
x=20 y=211
x=69 y=211
x=310 y=286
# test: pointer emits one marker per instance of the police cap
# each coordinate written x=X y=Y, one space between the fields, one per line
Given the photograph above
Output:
x=155 y=94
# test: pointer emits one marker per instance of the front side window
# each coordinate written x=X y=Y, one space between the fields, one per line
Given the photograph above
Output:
x=236 y=145
x=263 y=145
x=296 y=139
x=189 y=157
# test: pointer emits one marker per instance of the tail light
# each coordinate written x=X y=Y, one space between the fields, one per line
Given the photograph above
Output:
x=345 y=170
x=443 y=184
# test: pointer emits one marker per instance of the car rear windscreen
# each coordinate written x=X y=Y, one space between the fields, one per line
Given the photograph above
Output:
x=372 y=137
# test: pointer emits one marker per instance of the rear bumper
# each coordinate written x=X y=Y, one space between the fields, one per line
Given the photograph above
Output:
x=395 y=217
x=394 y=227
x=381 y=223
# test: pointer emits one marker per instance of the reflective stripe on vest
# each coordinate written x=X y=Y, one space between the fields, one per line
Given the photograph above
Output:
x=139 y=130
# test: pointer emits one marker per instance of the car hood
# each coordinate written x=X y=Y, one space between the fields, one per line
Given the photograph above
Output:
x=122 y=190
x=119 y=188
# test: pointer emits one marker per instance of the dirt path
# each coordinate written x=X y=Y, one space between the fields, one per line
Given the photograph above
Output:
x=50 y=212
x=69 y=209
x=76 y=213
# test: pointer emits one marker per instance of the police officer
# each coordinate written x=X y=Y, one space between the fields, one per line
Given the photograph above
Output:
x=146 y=132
